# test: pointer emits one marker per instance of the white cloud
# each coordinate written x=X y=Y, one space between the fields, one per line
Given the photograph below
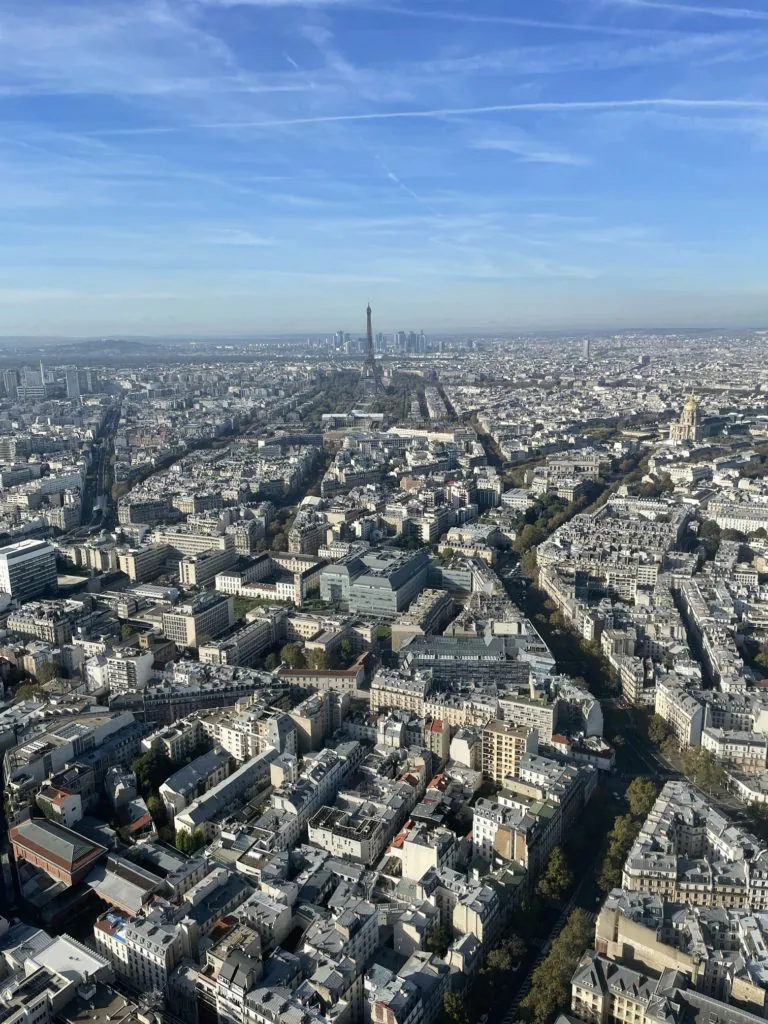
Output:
x=529 y=150
x=239 y=236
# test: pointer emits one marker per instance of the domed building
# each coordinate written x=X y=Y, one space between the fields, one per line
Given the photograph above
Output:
x=689 y=426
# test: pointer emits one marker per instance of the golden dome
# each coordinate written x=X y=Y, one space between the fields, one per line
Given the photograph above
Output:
x=692 y=403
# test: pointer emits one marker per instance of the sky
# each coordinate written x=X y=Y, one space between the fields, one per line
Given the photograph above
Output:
x=252 y=166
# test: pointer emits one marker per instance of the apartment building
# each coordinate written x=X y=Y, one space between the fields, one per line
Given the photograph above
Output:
x=400 y=690
x=504 y=746
x=144 y=950
x=27 y=569
x=194 y=779
x=245 y=645
x=429 y=613
x=42 y=621
x=689 y=852
x=745 y=752
x=201 y=569
x=358 y=837
x=682 y=712
x=128 y=669
x=142 y=512
x=206 y=617
x=144 y=563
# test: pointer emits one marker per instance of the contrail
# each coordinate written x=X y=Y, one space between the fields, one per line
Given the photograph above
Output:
x=497 y=108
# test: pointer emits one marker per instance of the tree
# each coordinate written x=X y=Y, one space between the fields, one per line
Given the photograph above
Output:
x=528 y=537
x=347 y=651
x=439 y=941
x=271 y=662
x=709 y=535
x=152 y=769
x=641 y=796
x=498 y=959
x=528 y=565
x=26 y=691
x=733 y=535
x=658 y=730
x=126 y=631
x=557 y=878
x=455 y=1010
x=48 y=671
x=157 y=809
x=551 y=981
x=317 y=660
x=620 y=840
x=701 y=767
x=516 y=946
x=669 y=746
x=293 y=656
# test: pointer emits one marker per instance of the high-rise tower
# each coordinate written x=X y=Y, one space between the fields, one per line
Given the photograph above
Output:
x=370 y=355
x=371 y=370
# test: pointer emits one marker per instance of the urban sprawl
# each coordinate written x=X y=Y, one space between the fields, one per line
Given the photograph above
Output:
x=386 y=680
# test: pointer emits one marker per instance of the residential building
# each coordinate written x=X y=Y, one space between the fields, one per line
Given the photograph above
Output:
x=27 y=569
x=503 y=748
x=207 y=616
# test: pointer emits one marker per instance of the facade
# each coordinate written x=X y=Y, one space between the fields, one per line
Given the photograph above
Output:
x=682 y=712
x=129 y=670
x=143 y=950
x=64 y=855
x=689 y=852
x=144 y=563
x=27 y=569
x=42 y=622
x=202 y=569
x=203 y=618
x=194 y=779
x=689 y=426
x=504 y=747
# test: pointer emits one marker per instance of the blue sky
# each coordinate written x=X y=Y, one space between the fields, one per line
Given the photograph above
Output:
x=211 y=166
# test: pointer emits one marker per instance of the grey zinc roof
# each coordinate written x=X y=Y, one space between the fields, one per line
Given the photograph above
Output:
x=56 y=840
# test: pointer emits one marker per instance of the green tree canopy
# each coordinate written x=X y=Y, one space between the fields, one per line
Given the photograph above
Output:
x=293 y=655
x=551 y=981
x=641 y=796
x=317 y=660
x=557 y=878
x=48 y=671
x=27 y=690
x=658 y=730
x=455 y=1010
x=528 y=537
x=152 y=769
x=439 y=941
x=702 y=768
x=157 y=809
